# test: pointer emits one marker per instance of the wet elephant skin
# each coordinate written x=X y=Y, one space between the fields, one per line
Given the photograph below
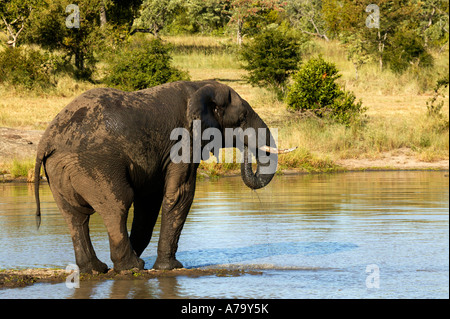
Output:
x=109 y=149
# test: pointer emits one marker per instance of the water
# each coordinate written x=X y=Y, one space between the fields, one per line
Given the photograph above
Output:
x=352 y=235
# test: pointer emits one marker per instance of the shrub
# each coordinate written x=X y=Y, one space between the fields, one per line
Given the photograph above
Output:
x=271 y=58
x=407 y=49
x=315 y=88
x=438 y=120
x=24 y=68
x=143 y=64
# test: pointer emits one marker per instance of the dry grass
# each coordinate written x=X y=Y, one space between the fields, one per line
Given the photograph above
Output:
x=35 y=109
x=396 y=116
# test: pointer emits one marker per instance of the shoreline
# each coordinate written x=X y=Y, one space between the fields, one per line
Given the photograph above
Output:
x=20 y=145
x=6 y=178
x=18 y=278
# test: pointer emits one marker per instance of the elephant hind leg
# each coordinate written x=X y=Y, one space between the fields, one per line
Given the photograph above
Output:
x=112 y=201
x=77 y=219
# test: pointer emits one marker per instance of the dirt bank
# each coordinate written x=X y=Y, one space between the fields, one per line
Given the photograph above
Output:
x=399 y=159
x=17 y=143
x=25 y=277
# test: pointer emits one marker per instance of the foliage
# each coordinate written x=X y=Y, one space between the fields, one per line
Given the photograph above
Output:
x=406 y=49
x=21 y=168
x=432 y=21
x=315 y=89
x=26 y=68
x=120 y=13
x=143 y=64
x=208 y=16
x=50 y=31
x=399 y=38
x=243 y=10
x=357 y=51
x=271 y=58
x=15 y=14
x=408 y=32
x=434 y=105
x=307 y=17
x=201 y=16
x=155 y=14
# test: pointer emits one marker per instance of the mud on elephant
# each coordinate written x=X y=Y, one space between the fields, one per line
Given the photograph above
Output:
x=109 y=149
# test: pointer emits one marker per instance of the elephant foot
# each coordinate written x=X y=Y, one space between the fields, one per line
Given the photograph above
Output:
x=131 y=263
x=95 y=266
x=168 y=264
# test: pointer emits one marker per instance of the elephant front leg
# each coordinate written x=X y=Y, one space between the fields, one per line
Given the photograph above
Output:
x=175 y=208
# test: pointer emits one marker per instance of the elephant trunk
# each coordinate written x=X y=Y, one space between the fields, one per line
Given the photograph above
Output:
x=265 y=152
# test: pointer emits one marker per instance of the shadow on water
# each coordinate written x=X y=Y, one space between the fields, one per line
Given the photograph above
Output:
x=224 y=256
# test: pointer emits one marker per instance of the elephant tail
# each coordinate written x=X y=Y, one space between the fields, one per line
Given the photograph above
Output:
x=37 y=177
x=42 y=154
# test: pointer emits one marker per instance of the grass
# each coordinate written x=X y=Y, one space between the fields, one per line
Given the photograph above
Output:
x=395 y=119
x=19 y=168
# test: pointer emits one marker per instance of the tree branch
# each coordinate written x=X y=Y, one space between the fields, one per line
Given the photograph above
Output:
x=317 y=29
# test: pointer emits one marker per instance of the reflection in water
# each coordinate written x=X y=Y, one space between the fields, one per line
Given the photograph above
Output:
x=312 y=236
x=164 y=288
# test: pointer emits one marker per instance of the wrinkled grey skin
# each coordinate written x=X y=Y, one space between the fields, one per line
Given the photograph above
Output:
x=109 y=149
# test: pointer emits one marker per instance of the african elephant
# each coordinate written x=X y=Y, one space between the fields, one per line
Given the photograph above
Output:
x=109 y=149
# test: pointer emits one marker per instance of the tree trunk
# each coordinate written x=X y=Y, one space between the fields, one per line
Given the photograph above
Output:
x=103 y=20
x=381 y=48
x=79 y=61
x=239 y=32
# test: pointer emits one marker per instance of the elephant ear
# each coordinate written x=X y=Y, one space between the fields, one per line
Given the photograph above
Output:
x=207 y=104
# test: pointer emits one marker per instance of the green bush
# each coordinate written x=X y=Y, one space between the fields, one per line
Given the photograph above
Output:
x=407 y=49
x=438 y=120
x=315 y=88
x=25 y=68
x=271 y=57
x=143 y=64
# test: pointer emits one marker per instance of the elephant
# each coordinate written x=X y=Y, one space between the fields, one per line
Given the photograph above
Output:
x=109 y=149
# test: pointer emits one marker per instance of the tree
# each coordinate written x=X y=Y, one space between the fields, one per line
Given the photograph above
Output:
x=155 y=14
x=15 y=15
x=406 y=49
x=207 y=15
x=143 y=64
x=242 y=10
x=49 y=29
x=121 y=12
x=25 y=68
x=270 y=58
x=433 y=21
x=306 y=15
x=346 y=18
x=357 y=51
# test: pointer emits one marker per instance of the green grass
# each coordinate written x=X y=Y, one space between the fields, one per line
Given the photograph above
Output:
x=21 y=168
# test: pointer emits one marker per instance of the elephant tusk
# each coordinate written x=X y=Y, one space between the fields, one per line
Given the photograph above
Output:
x=273 y=150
